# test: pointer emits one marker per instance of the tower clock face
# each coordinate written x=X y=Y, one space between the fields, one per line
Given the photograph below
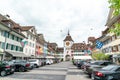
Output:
x=67 y=43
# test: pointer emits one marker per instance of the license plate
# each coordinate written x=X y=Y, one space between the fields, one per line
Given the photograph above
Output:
x=12 y=70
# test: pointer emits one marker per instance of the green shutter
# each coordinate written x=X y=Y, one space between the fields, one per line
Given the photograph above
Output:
x=16 y=48
x=11 y=47
x=7 y=46
x=17 y=38
x=12 y=37
x=21 y=49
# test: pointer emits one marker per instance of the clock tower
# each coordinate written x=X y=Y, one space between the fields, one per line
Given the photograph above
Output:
x=68 y=42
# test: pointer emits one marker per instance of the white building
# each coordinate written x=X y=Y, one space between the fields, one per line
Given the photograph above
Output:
x=30 y=46
x=10 y=40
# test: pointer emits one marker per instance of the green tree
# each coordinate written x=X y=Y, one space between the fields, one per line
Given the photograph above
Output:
x=100 y=56
x=115 y=4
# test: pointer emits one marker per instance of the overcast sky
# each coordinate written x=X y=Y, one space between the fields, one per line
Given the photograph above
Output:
x=53 y=18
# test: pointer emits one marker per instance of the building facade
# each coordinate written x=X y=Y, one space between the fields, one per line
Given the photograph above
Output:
x=30 y=42
x=74 y=50
x=10 y=40
x=110 y=40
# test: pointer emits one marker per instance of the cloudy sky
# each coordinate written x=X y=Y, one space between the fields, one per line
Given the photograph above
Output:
x=53 y=18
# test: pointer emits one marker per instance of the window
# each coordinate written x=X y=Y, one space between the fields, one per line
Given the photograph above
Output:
x=114 y=48
x=17 y=38
x=10 y=36
x=3 y=45
x=119 y=47
x=16 y=48
x=8 y=46
x=6 y=34
x=0 y=44
x=12 y=47
x=13 y=37
x=21 y=49
x=113 y=38
x=33 y=45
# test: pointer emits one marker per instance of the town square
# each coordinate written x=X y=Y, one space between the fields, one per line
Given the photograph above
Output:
x=59 y=39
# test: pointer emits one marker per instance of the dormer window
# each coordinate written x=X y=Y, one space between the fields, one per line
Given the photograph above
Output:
x=31 y=30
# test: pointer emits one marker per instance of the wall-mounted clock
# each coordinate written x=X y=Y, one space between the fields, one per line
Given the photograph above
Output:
x=67 y=43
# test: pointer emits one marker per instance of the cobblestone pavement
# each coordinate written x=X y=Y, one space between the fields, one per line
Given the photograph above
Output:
x=60 y=71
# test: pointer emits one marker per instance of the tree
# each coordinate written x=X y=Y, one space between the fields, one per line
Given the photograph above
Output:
x=100 y=56
x=115 y=4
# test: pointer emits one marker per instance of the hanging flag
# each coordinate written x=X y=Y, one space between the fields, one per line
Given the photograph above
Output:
x=23 y=43
x=99 y=44
x=40 y=50
x=89 y=51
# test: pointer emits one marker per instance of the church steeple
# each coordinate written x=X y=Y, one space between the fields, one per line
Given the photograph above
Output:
x=68 y=37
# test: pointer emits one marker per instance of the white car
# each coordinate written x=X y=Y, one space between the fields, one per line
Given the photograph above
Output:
x=48 y=62
x=37 y=63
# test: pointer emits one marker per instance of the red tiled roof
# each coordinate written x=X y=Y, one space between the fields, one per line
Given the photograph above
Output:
x=60 y=49
x=26 y=28
x=92 y=39
x=68 y=38
x=79 y=46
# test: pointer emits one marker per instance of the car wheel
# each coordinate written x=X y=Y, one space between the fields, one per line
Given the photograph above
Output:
x=12 y=73
x=3 y=73
x=35 y=65
x=21 y=69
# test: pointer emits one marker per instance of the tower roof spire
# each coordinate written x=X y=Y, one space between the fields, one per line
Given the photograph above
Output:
x=68 y=32
x=68 y=37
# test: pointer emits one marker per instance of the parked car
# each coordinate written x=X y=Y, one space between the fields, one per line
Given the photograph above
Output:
x=96 y=65
x=21 y=65
x=48 y=61
x=6 y=68
x=84 y=65
x=36 y=62
x=80 y=63
x=110 y=72
x=31 y=66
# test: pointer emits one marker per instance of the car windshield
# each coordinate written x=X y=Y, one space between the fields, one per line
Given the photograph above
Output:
x=95 y=63
x=32 y=60
x=110 y=68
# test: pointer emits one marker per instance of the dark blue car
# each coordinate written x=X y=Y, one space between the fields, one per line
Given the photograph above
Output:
x=110 y=72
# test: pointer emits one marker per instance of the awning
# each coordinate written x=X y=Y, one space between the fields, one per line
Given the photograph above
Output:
x=17 y=54
x=50 y=57
x=82 y=57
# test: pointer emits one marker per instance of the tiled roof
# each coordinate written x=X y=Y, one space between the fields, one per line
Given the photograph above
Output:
x=60 y=49
x=26 y=28
x=68 y=38
x=52 y=45
x=79 y=46
x=92 y=39
x=40 y=39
